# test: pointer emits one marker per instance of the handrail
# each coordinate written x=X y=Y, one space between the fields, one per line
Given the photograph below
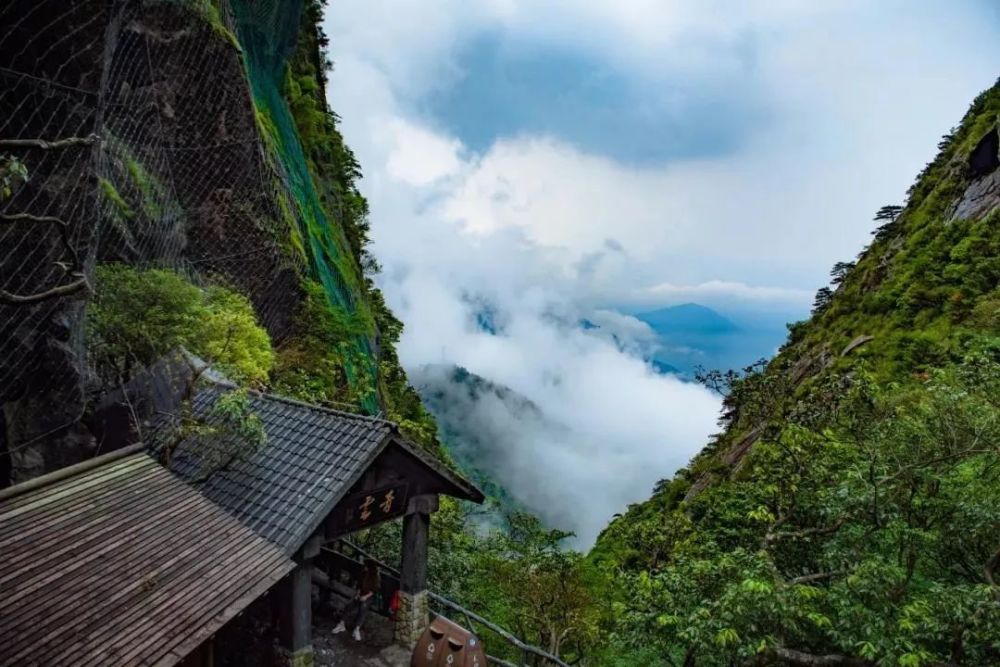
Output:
x=528 y=648
x=517 y=643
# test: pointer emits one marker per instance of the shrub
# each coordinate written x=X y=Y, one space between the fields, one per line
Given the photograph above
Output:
x=138 y=316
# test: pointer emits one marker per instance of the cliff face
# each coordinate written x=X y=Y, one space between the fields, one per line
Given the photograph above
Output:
x=188 y=135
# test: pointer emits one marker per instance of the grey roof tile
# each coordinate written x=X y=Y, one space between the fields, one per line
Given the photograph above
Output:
x=312 y=457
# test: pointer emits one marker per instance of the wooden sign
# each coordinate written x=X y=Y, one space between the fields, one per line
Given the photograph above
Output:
x=368 y=508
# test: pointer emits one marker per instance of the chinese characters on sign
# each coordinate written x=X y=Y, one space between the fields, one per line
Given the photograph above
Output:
x=370 y=507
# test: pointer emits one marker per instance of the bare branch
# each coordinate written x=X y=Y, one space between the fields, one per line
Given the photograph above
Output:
x=72 y=267
x=47 y=145
x=27 y=217
x=816 y=576
x=77 y=285
x=793 y=657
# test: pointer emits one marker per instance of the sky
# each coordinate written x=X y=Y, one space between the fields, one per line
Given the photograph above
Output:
x=549 y=161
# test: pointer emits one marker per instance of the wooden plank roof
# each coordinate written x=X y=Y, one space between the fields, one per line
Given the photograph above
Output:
x=117 y=562
x=313 y=455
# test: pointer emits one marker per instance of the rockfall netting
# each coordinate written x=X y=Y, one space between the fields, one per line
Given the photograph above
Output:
x=152 y=133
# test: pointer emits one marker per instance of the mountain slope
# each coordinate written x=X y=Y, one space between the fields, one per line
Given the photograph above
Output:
x=474 y=417
x=848 y=512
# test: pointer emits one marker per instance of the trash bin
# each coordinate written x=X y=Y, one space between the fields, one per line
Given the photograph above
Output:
x=447 y=644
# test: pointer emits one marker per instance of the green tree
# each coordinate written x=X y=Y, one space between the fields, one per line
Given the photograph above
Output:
x=137 y=316
x=873 y=541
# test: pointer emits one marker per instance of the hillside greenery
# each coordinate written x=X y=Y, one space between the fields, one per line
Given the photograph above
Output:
x=848 y=513
x=315 y=361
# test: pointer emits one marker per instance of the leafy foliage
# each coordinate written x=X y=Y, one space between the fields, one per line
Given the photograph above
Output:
x=516 y=573
x=138 y=316
x=313 y=365
x=229 y=431
x=13 y=173
x=866 y=539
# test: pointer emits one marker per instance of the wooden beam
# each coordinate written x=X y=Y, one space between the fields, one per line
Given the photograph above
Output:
x=413 y=573
x=424 y=504
x=312 y=546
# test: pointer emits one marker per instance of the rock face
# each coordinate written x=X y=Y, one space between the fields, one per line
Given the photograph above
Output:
x=172 y=168
x=983 y=192
x=50 y=91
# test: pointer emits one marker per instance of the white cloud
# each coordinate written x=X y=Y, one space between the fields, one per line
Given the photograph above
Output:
x=546 y=232
x=420 y=157
x=562 y=198
x=854 y=112
x=713 y=290
x=611 y=427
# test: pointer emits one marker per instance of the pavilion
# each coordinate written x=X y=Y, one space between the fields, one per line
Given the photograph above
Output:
x=321 y=475
x=116 y=561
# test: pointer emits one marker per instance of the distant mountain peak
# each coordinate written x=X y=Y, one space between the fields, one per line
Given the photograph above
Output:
x=688 y=317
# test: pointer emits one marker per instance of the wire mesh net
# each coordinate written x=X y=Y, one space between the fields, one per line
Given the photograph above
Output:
x=152 y=133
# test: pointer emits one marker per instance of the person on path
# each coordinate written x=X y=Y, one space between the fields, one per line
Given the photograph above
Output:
x=355 y=611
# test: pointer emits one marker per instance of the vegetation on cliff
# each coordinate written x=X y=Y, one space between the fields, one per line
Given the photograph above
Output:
x=136 y=317
x=316 y=361
x=333 y=339
x=848 y=512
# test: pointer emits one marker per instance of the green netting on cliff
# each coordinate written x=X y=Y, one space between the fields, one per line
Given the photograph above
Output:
x=267 y=31
x=131 y=133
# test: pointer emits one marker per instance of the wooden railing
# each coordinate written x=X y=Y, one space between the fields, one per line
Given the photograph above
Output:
x=530 y=655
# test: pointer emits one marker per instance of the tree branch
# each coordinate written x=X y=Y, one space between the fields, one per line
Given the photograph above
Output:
x=77 y=285
x=46 y=145
x=772 y=537
x=971 y=451
x=990 y=572
x=816 y=576
x=793 y=657
x=72 y=267
x=27 y=217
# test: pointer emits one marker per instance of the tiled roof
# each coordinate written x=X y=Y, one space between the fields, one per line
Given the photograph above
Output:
x=285 y=489
x=117 y=562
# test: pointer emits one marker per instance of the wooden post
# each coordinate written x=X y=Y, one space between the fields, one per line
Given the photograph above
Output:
x=295 y=617
x=413 y=573
x=414 y=607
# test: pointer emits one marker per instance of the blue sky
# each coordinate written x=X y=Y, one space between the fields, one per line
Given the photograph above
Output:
x=510 y=84
x=732 y=116
x=509 y=89
x=589 y=158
